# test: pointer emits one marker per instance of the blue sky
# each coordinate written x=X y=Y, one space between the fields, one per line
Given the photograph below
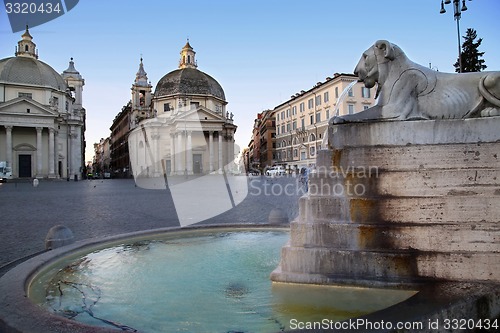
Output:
x=261 y=52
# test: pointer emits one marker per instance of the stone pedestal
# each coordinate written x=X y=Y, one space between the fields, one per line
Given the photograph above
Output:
x=400 y=202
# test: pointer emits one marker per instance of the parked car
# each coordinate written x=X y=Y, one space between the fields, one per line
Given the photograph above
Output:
x=253 y=172
x=276 y=171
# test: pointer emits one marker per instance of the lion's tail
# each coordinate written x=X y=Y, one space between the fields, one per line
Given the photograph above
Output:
x=490 y=82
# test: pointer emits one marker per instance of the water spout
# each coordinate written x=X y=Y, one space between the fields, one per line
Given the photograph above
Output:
x=340 y=100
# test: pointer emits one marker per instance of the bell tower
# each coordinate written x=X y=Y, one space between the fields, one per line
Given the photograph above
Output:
x=75 y=83
x=187 y=57
x=141 y=97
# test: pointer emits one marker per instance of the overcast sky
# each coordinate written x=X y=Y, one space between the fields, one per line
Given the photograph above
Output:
x=260 y=51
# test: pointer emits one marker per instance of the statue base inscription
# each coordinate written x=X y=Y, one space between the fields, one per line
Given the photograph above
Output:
x=398 y=203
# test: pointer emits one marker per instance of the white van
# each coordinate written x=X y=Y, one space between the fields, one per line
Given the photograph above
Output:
x=5 y=171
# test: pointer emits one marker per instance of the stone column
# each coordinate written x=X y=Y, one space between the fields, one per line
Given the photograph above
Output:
x=157 y=158
x=56 y=154
x=39 y=152
x=229 y=153
x=51 y=154
x=172 y=154
x=189 y=153
x=8 y=141
x=211 y=150
x=77 y=153
x=179 y=157
x=221 y=163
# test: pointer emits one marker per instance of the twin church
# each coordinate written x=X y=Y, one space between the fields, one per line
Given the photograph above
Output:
x=42 y=119
x=187 y=130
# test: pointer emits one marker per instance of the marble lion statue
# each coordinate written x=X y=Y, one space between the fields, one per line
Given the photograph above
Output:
x=409 y=91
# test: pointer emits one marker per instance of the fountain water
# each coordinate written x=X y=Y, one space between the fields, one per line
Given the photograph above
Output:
x=338 y=103
x=203 y=281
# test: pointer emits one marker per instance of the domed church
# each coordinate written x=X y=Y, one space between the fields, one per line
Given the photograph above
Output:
x=190 y=131
x=42 y=120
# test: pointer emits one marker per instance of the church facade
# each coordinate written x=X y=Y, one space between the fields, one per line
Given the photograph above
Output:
x=187 y=129
x=42 y=119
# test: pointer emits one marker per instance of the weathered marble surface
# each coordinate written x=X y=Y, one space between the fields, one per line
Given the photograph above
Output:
x=416 y=205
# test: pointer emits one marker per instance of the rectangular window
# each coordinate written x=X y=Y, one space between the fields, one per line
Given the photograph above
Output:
x=277 y=116
x=326 y=98
x=294 y=125
x=287 y=113
x=351 y=108
x=294 y=110
x=336 y=92
x=312 y=119
x=278 y=130
x=302 y=107
x=302 y=122
x=318 y=100
x=194 y=105
x=288 y=127
x=22 y=94
x=350 y=93
x=282 y=115
x=327 y=112
x=310 y=103
x=318 y=117
x=166 y=107
x=365 y=92
x=282 y=129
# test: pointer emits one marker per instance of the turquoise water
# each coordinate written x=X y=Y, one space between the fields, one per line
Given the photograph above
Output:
x=216 y=282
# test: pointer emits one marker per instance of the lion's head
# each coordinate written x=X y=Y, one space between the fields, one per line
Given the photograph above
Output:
x=372 y=68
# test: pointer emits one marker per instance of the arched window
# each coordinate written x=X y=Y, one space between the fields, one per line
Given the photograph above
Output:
x=189 y=59
x=312 y=137
x=283 y=144
x=26 y=48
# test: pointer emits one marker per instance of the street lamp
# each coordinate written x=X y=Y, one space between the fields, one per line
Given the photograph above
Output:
x=457 y=14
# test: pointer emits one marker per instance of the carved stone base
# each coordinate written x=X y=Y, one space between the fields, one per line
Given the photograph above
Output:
x=400 y=202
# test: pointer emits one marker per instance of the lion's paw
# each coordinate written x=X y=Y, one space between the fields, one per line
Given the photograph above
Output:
x=338 y=120
x=490 y=112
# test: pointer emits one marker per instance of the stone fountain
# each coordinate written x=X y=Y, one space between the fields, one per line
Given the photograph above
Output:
x=408 y=190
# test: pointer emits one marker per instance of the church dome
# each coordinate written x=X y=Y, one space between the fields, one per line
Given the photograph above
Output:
x=30 y=71
x=189 y=81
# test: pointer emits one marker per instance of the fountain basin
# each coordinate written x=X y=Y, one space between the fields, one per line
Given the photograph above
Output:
x=200 y=276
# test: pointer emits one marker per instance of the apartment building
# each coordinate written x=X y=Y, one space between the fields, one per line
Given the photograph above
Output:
x=302 y=121
x=262 y=145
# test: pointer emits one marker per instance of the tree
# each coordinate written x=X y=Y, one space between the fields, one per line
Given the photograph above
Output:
x=471 y=61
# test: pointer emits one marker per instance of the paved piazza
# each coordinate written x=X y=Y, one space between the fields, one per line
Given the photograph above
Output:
x=99 y=208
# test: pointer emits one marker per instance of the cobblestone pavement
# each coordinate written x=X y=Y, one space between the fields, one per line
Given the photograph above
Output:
x=99 y=208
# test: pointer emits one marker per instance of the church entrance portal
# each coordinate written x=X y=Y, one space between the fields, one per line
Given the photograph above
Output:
x=197 y=169
x=24 y=166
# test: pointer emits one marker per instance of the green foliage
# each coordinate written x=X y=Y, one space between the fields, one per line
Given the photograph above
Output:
x=471 y=61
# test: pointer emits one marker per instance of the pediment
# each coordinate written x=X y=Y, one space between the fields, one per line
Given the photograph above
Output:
x=201 y=113
x=21 y=105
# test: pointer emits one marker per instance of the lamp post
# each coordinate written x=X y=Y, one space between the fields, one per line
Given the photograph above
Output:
x=457 y=14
